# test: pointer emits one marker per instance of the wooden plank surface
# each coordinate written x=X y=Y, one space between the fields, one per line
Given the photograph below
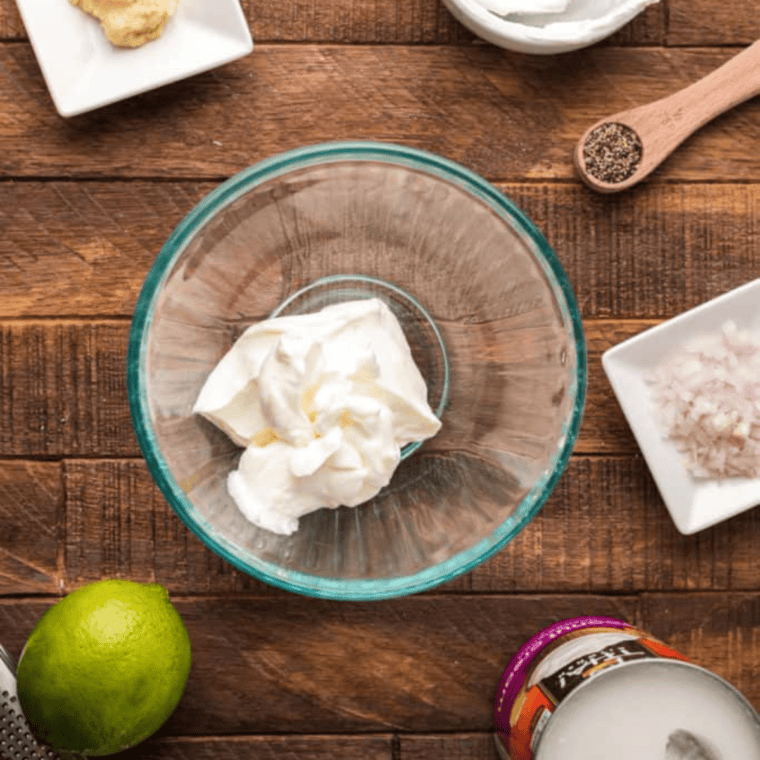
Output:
x=31 y=527
x=604 y=529
x=83 y=249
x=421 y=664
x=356 y=21
x=469 y=746
x=315 y=747
x=473 y=104
x=65 y=389
x=699 y=22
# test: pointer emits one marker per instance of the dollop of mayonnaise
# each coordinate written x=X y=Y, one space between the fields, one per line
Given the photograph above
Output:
x=323 y=404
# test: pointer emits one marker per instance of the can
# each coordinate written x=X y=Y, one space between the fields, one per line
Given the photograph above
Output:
x=598 y=687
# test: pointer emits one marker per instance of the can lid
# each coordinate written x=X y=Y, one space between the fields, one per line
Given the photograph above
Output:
x=517 y=670
x=634 y=710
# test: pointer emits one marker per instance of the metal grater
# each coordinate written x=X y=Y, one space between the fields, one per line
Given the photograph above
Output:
x=16 y=740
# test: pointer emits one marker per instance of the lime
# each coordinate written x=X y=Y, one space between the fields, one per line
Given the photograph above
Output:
x=104 y=667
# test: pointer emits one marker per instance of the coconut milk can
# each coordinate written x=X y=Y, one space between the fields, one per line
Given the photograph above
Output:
x=597 y=688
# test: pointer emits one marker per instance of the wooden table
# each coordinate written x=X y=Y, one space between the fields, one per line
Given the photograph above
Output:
x=85 y=205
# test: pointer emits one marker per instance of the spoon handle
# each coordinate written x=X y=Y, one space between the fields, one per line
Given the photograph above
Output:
x=664 y=124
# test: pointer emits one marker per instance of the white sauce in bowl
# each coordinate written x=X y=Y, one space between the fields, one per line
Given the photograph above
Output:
x=323 y=404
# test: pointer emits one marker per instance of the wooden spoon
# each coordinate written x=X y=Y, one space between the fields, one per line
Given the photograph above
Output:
x=664 y=124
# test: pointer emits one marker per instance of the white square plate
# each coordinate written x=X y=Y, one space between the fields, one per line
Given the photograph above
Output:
x=693 y=504
x=83 y=70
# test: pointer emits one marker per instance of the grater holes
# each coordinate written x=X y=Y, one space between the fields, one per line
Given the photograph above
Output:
x=17 y=742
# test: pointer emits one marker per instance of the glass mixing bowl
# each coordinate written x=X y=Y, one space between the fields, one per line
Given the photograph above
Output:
x=484 y=304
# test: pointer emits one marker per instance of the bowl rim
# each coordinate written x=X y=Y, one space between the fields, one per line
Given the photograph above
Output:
x=228 y=192
x=535 y=40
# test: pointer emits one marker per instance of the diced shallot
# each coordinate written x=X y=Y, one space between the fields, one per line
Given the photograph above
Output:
x=708 y=396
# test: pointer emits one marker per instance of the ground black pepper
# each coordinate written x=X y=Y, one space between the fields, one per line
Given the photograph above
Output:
x=612 y=152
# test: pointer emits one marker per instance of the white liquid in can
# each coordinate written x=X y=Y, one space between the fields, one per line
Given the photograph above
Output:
x=630 y=712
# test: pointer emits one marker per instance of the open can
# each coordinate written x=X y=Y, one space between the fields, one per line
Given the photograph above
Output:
x=598 y=688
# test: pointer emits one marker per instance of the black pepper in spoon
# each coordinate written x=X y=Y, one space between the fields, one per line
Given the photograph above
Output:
x=612 y=152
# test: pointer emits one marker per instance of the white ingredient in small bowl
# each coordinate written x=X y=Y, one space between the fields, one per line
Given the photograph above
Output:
x=708 y=399
x=547 y=26
x=506 y=7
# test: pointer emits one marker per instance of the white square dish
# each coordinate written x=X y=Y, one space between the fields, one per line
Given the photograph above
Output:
x=693 y=503
x=83 y=70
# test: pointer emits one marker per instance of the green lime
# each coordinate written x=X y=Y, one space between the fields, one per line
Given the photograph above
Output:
x=104 y=667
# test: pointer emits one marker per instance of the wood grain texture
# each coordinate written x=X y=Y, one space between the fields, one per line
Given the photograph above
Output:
x=63 y=390
x=474 y=104
x=31 y=525
x=724 y=639
x=350 y=21
x=83 y=249
x=653 y=252
x=448 y=747
x=604 y=428
x=119 y=525
x=422 y=664
x=11 y=26
x=294 y=747
x=354 y=21
x=604 y=529
x=79 y=406
x=704 y=23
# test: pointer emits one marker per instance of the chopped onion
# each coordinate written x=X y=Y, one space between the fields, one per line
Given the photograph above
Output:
x=708 y=396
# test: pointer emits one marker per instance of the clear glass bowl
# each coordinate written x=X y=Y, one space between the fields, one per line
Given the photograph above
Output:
x=484 y=303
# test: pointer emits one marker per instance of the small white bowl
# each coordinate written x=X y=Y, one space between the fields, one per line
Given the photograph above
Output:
x=693 y=504
x=583 y=23
x=84 y=71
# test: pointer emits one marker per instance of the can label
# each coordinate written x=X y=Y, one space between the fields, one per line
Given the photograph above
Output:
x=552 y=664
